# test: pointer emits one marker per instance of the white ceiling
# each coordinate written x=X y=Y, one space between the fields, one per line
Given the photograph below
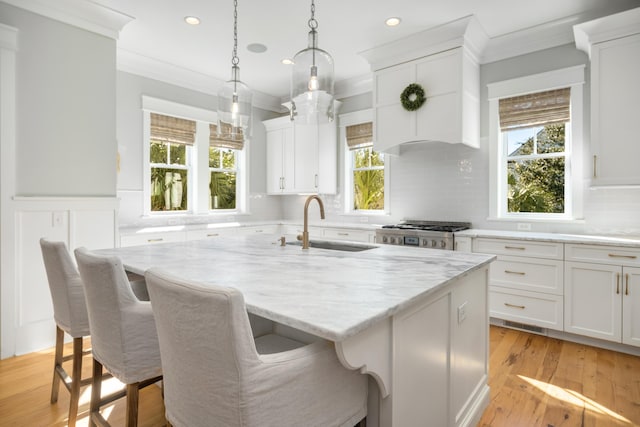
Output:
x=346 y=27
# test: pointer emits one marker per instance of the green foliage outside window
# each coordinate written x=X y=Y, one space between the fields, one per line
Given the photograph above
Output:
x=169 y=186
x=536 y=185
x=368 y=179
x=222 y=185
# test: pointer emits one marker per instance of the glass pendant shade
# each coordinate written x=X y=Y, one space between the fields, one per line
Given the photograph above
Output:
x=234 y=108
x=312 y=82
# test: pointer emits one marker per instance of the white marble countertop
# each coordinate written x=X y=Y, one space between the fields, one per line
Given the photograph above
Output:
x=621 y=240
x=328 y=293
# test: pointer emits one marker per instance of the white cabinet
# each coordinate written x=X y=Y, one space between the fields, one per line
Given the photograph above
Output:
x=526 y=281
x=462 y=243
x=255 y=230
x=280 y=158
x=602 y=293
x=613 y=44
x=301 y=158
x=451 y=112
x=351 y=234
x=210 y=233
x=152 y=238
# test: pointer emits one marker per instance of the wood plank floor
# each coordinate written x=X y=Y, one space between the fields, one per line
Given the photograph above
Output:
x=535 y=381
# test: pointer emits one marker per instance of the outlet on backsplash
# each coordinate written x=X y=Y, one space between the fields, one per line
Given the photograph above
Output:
x=524 y=226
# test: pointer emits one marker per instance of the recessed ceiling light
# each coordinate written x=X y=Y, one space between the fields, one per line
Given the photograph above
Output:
x=287 y=61
x=192 y=20
x=256 y=48
x=392 y=22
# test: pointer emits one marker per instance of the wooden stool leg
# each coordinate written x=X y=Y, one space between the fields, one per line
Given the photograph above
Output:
x=96 y=385
x=132 y=404
x=57 y=364
x=76 y=380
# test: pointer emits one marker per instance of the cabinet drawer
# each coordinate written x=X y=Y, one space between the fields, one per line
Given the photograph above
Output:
x=529 y=274
x=346 y=234
x=603 y=254
x=210 y=233
x=544 y=310
x=251 y=231
x=151 y=238
x=527 y=248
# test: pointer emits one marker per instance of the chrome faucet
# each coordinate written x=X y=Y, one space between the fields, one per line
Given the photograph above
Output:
x=305 y=232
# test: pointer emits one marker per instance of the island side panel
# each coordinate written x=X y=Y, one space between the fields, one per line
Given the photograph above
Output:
x=437 y=350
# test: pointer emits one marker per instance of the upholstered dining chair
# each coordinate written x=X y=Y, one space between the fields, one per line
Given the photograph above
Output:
x=70 y=315
x=217 y=374
x=123 y=333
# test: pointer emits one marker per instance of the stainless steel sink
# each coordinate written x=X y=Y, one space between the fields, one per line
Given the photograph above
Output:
x=336 y=246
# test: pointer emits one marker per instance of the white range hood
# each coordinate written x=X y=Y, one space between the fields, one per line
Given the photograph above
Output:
x=444 y=61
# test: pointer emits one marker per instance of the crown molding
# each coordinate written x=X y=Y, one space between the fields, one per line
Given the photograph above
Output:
x=83 y=14
x=606 y=28
x=144 y=66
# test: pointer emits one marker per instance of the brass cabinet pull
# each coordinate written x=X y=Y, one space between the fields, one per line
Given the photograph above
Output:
x=343 y=234
x=160 y=239
x=595 y=175
x=617 y=283
x=521 y=273
x=623 y=256
x=213 y=235
x=626 y=288
x=520 y=248
x=258 y=231
x=514 y=306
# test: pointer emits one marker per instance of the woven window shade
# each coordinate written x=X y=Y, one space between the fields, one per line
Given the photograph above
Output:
x=360 y=136
x=535 y=109
x=173 y=129
x=226 y=140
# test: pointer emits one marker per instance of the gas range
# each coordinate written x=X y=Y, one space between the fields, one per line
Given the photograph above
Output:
x=424 y=234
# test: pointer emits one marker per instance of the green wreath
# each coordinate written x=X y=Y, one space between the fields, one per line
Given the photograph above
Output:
x=412 y=97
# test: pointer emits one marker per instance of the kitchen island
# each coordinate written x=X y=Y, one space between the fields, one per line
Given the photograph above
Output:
x=416 y=320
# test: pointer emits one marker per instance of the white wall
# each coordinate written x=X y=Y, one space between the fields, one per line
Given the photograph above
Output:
x=439 y=181
x=130 y=88
x=65 y=108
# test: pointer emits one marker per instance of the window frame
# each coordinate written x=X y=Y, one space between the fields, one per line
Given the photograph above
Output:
x=349 y=119
x=198 y=179
x=572 y=77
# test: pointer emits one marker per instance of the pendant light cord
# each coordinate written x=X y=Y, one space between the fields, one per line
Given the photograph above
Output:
x=235 y=60
x=313 y=24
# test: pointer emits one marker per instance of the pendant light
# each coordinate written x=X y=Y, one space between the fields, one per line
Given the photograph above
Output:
x=234 y=97
x=312 y=81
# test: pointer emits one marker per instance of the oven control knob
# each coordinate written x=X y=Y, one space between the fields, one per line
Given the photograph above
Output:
x=384 y=239
x=443 y=244
x=425 y=242
x=433 y=243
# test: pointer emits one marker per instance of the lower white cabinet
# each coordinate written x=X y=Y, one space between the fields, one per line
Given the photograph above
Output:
x=526 y=282
x=152 y=238
x=257 y=229
x=602 y=297
x=348 y=234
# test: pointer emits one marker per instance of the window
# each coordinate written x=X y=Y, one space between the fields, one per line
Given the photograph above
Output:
x=223 y=168
x=171 y=139
x=536 y=130
x=366 y=177
x=189 y=168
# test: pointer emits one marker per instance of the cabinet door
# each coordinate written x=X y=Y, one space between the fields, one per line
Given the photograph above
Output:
x=614 y=109
x=288 y=160
x=631 y=307
x=328 y=159
x=592 y=300
x=306 y=158
x=275 y=161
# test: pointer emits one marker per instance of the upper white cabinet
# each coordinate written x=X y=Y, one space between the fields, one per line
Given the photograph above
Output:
x=301 y=158
x=613 y=44
x=444 y=62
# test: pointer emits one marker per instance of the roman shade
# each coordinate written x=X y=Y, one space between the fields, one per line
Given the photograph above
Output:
x=360 y=136
x=535 y=109
x=225 y=139
x=173 y=129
